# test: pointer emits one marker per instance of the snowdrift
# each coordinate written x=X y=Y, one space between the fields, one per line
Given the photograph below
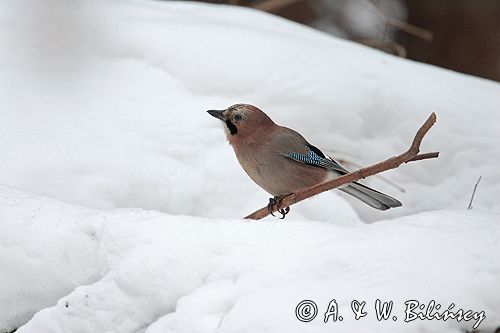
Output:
x=120 y=202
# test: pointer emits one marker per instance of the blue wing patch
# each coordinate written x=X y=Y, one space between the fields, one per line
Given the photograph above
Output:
x=313 y=158
x=310 y=158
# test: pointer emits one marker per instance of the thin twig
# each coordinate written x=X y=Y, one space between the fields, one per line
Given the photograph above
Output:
x=390 y=163
x=383 y=43
x=392 y=47
x=473 y=193
x=273 y=5
x=410 y=29
x=404 y=26
x=424 y=156
x=348 y=163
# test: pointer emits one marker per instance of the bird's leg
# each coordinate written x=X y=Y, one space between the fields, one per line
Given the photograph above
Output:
x=272 y=202
x=277 y=201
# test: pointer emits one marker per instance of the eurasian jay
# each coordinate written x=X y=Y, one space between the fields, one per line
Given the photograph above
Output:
x=281 y=161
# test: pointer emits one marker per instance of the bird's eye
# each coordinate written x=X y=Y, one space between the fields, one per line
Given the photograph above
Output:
x=238 y=117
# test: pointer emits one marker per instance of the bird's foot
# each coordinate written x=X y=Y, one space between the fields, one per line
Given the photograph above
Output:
x=283 y=212
x=277 y=201
x=272 y=202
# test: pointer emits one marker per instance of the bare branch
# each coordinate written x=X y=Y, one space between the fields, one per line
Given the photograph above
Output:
x=404 y=26
x=383 y=43
x=424 y=156
x=392 y=47
x=391 y=163
x=473 y=193
x=410 y=29
x=348 y=163
x=273 y=5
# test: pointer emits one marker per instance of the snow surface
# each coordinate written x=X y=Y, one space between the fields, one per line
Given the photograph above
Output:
x=120 y=200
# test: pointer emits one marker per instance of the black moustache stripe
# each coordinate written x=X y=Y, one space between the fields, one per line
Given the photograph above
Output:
x=232 y=127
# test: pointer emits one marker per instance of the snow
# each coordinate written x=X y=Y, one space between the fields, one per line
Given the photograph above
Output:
x=120 y=201
x=133 y=270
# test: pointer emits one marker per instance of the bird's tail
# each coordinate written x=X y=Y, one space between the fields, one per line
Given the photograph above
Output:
x=371 y=197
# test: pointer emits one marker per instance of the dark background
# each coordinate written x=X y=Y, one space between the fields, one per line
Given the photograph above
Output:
x=462 y=35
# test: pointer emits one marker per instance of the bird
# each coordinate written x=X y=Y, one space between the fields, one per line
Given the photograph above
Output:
x=281 y=161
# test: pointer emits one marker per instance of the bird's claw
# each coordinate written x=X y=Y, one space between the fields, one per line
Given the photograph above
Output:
x=283 y=212
x=277 y=201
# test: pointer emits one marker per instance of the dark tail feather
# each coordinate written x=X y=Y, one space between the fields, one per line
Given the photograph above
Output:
x=371 y=197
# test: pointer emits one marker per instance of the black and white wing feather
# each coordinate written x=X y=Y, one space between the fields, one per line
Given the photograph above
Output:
x=317 y=158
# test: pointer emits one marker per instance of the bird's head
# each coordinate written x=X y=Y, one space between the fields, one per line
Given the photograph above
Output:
x=243 y=120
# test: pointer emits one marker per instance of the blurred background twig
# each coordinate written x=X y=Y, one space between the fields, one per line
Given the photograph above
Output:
x=462 y=35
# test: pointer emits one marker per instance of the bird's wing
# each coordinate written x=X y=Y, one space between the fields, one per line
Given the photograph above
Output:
x=315 y=157
x=294 y=146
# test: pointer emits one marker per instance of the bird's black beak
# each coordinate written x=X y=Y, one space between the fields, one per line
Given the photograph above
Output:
x=217 y=114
